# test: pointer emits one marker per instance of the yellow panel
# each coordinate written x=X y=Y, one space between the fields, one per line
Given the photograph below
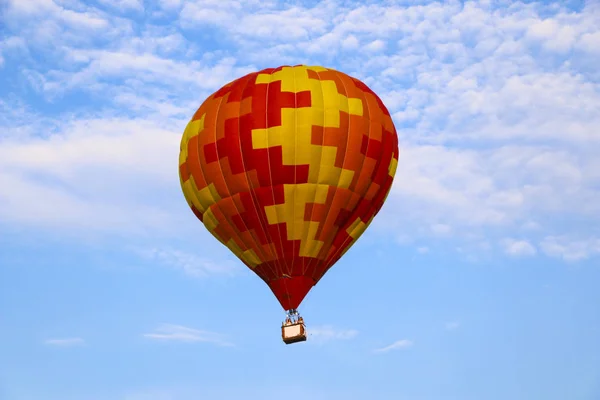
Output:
x=191 y=130
x=346 y=178
x=357 y=228
x=304 y=146
x=317 y=68
x=316 y=100
x=284 y=211
x=355 y=106
x=208 y=196
x=328 y=173
x=311 y=247
x=286 y=76
x=299 y=135
x=263 y=78
x=321 y=194
x=331 y=103
x=300 y=199
x=392 y=167
x=314 y=169
x=331 y=118
x=265 y=138
x=210 y=221
x=301 y=81
x=330 y=94
x=293 y=79
x=190 y=192
x=271 y=212
x=251 y=258
x=292 y=135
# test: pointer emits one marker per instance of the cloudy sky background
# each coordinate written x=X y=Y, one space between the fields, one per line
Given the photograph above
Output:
x=478 y=279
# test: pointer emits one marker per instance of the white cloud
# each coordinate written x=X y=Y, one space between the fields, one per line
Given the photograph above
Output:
x=178 y=333
x=99 y=174
x=398 y=345
x=41 y=22
x=455 y=192
x=590 y=42
x=124 y=5
x=423 y=250
x=570 y=249
x=12 y=44
x=375 y=46
x=350 y=42
x=141 y=68
x=321 y=334
x=65 y=342
x=74 y=19
x=169 y=4
x=515 y=247
x=256 y=20
x=441 y=229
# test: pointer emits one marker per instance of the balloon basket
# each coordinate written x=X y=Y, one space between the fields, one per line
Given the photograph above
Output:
x=293 y=329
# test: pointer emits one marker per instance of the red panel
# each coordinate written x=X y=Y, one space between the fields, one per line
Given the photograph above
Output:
x=291 y=291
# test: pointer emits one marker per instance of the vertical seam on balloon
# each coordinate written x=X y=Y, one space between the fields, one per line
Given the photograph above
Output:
x=337 y=187
x=316 y=259
x=229 y=194
x=262 y=220
x=285 y=259
x=394 y=138
x=350 y=239
x=279 y=266
x=295 y=187
x=273 y=265
x=373 y=206
x=252 y=195
x=308 y=260
x=199 y=148
x=362 y=195
x=348 y=132
x=254 y=240
x=216 y=204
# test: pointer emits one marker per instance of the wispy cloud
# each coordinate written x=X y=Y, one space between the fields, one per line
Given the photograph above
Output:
x=191 y=264
x=322 y=334
x=124 y=5
x=517 y=248
x=570 y=249
x=65 y=342
x=92 y=173
x=179 y=333
x=452 y=325
x=398 y=345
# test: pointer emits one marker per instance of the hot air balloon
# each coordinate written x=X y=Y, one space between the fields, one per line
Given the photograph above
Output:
x=287 y=167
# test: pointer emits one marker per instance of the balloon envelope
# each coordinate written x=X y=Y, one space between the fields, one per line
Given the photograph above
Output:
x=287 y=167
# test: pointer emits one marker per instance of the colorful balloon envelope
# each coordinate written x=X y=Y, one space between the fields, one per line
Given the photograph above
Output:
x=287 y=167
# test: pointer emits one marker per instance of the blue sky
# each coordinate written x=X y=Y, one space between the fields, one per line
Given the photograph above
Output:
x=478 y=280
